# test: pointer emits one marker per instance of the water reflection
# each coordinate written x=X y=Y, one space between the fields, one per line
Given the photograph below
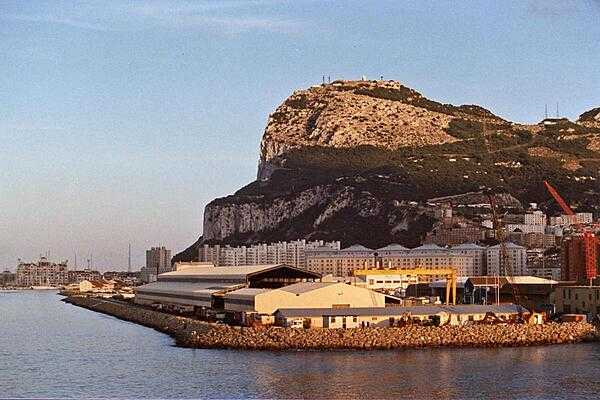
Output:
x=51 y=349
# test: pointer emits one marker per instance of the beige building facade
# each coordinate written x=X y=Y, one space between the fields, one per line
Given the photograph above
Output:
x=299 y=295
x=578 y=300
x=344 y=262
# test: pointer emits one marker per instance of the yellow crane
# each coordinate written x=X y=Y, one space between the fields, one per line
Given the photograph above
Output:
x=448 y=273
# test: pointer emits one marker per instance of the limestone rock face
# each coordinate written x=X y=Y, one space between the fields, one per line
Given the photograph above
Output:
x=346 y=114
x=358 y=161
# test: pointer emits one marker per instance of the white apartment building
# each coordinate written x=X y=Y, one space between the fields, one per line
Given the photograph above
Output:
x=516 y=258
x=526 y=228
x=290 y=253
x=578 y=218
x=42 y=273
x=535 y=218
x=477 y=252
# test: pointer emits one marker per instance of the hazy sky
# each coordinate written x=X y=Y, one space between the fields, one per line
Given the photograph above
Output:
x=120 y=120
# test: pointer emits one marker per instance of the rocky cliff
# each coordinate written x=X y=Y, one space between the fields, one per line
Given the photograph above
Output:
x=355 y=160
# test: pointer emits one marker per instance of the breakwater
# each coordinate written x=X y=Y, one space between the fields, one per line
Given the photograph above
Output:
x=189 y=332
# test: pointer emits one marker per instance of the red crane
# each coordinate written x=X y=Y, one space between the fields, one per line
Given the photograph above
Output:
x=590 y=241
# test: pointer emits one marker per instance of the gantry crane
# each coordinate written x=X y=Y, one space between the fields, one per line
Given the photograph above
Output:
x=589 y=239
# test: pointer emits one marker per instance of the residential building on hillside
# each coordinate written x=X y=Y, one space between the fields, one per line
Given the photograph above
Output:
x=577 y=218
x=533 y=240
x=42 y=273
x=452 y=235
x=290 y=253
x=535 y=218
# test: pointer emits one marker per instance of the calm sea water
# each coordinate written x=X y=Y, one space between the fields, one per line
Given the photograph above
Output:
x=51 y=349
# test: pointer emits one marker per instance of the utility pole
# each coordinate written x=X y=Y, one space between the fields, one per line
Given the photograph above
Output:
x=129 y=259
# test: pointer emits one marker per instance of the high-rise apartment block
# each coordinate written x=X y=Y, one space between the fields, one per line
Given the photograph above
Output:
x=290 y=253
x=158 y=261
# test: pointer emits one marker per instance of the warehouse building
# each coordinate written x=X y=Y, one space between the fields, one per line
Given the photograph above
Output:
x=246 y=304
x=202 y=285
x=392 y=316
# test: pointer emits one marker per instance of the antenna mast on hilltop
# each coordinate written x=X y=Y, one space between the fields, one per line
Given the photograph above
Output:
x=546 y=112
x=129 y=259
x=557 y=110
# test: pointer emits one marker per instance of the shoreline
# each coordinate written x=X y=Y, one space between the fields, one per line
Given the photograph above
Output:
x=192 y=333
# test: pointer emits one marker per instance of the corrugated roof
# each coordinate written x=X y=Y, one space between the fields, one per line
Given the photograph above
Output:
x=184 y=288
x=303 y=287
x=245 y=293
x=216 y=273
x=397 y=311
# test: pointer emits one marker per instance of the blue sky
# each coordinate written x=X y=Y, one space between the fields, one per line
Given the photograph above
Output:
x=120 y=120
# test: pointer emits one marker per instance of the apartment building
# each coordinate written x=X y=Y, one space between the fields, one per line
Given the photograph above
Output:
x=158 y=261
x=516 y=258
x=344 y=262
x=290 y=253
x=42 y=273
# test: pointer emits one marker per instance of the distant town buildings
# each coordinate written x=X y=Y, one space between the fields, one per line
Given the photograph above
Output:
x=76 y=276
x=7 y=278
x=291 y=253
x=42 y=273
x=158 y=261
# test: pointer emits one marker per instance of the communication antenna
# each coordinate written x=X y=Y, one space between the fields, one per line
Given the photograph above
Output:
x=129 y=259
x=75 y=260
x=557 y=109
x=546 y=113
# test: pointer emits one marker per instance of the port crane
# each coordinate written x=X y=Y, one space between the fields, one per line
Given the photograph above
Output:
x=504 y=265
x=589 y=239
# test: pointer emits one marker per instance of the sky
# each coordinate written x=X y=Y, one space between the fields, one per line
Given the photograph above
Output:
x=121 y=120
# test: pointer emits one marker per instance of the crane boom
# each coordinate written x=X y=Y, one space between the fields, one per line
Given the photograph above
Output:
x=561 y=202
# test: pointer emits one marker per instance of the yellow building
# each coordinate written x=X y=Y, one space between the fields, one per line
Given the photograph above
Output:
x=301 y=295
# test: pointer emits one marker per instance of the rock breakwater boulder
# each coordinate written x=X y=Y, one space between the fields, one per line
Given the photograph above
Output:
x=193 y=333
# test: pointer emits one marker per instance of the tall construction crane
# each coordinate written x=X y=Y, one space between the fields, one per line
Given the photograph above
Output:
x=589 y=239
x=504 y=265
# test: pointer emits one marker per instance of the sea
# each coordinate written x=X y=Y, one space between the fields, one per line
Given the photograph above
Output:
x=49 y=349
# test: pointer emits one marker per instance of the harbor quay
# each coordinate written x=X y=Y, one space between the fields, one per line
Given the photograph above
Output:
x=193 y=333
